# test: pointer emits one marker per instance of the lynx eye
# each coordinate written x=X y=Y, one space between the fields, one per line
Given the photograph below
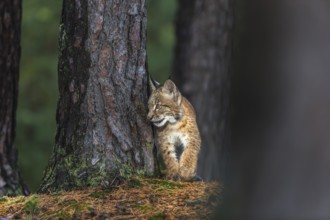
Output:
x=165 y=106
x=156 y=107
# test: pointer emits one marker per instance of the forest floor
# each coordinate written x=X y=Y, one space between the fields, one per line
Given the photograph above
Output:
x=135 y=199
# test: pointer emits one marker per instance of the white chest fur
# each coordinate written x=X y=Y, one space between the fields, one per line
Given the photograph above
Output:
x=177 y=138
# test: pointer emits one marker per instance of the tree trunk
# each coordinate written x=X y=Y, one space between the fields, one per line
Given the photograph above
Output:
x=10 y=30
x=102 y=128
x=201 y=70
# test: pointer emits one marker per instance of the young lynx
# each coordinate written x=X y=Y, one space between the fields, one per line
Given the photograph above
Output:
x=177 y=132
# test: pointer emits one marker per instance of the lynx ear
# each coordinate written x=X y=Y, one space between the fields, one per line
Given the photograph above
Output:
x=152 y=83
x=171 y=89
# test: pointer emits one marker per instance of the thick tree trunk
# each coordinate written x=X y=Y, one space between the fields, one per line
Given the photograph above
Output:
x=10 y=30
x=102 y=128
x=201 y=69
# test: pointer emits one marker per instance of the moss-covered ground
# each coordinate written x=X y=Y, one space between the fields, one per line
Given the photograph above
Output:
x=134 y=199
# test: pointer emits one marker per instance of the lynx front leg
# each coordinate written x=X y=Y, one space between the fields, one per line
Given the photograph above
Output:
x=188 y=163
x=171 y=163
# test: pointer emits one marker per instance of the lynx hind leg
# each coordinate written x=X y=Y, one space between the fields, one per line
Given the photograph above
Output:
x=171 y=163
x=188 y=163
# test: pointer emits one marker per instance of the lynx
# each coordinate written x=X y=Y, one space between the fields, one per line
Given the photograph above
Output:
x=178 y=136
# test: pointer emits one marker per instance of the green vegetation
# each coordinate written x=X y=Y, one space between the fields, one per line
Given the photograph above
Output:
x=32 y=206
x=158 y=216
x=38 y=89
x=3 y=199
x=166 y=184
x=99 y=194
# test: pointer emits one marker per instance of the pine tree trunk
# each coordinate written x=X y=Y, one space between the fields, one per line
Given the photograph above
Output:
x=102 y=130
x=10 y=30
x=201 y=69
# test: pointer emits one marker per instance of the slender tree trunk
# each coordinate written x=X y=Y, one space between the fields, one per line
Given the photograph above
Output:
x=10 y=30
x=201 y=68
x=102 y=130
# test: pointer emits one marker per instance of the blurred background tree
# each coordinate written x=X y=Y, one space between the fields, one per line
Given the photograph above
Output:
x=37 y=87
x=38 y=92
x=10 y=33
x=202 y=66
x=161 y=37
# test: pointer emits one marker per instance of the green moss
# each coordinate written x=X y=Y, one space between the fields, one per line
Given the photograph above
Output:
x=150 y=146
x=71 y=203
x=80 y=173
x=96 y=175
x=158 y=216
x=20 y=200
x=63 y=215
x=98 y=195
x=32 y=206
x=127 y=171
x=144 y=207
x=56 y=193
x=166 y=184
x=15 y=191
x=75 y=206
x=134 y=183
x=3 y=199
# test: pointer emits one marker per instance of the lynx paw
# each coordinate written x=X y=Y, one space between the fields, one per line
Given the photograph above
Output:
x=196 y=179
x=187 y=174
x=173 y=177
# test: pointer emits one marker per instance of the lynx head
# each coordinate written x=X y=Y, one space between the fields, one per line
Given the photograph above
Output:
x=164 y=104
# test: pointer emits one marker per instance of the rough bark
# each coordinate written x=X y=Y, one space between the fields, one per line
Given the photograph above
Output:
x=10 y=30
x=201 y=69
x=102 y=129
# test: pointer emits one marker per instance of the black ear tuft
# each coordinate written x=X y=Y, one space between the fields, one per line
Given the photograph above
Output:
x=153 y=84
x=156 y=83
